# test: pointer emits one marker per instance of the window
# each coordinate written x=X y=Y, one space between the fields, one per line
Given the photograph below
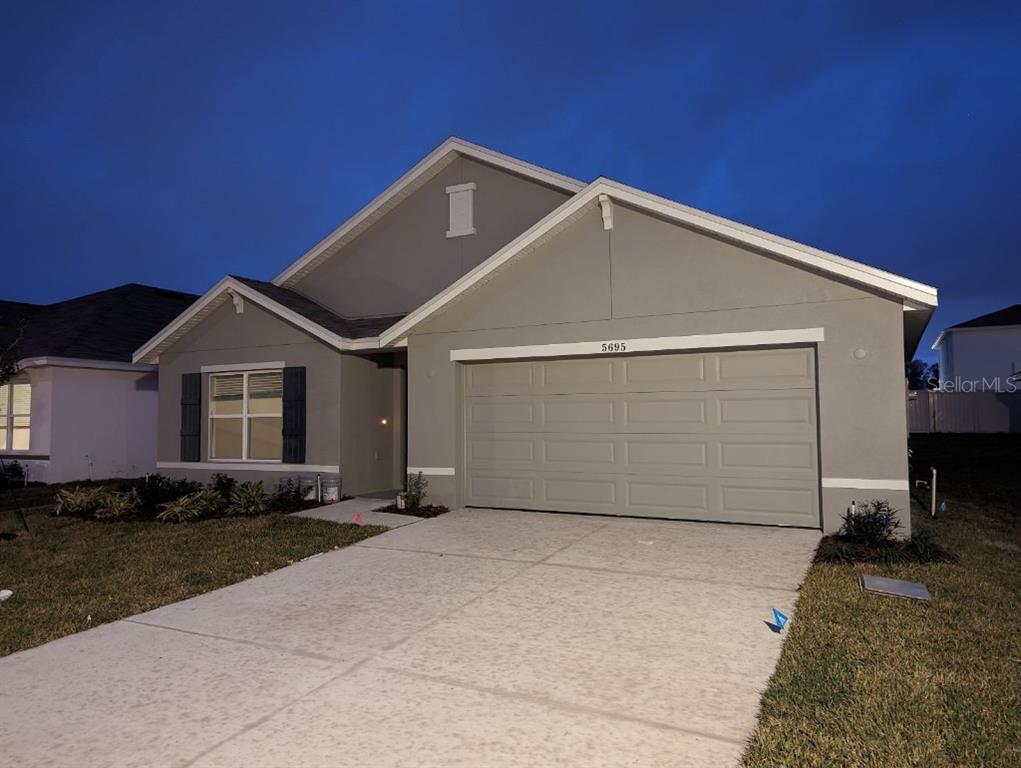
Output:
x=462 y=209
x=15 y=416
x=246 y=416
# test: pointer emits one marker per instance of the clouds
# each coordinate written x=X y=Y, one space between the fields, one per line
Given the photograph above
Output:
x=172 y=144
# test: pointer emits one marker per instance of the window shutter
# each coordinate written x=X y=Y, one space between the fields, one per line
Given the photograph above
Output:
x=294 y=415
x=191 y=416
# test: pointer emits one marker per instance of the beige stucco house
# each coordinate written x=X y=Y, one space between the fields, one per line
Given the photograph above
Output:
x=529 y=340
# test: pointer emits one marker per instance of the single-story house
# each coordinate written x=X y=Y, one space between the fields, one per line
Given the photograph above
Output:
x=528 y=340
x=982 y=354
x=77 y=406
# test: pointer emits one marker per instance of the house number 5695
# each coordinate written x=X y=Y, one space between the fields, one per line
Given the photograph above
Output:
x=613 y=346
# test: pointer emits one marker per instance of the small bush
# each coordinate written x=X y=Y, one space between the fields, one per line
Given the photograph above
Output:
x=416 y=492
x=12 y=474
x=113 y=505
x=78 y=501
x=223 y=485
x=158 y=490
x=874 y=522
x=249 y=499
x=288 y=496
x=194 y=506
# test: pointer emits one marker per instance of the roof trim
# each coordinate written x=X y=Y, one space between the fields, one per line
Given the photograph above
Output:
x=969 y=328
x=211 y=299
x=83 y=362
x=422 y=171
x=911 y=291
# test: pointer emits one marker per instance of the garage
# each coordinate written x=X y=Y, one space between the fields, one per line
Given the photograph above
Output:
x=727 y=436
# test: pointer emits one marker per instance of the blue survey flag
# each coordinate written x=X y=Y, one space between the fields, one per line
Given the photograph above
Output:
x=780 y=618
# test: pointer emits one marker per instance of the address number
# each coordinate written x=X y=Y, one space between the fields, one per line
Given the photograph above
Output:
x=613 y=346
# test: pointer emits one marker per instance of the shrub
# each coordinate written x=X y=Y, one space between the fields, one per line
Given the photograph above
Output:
x=158 y=490
x=11 y=474
x=288 y=496
x=874 y=522
x=416 y=492
x=249 y=499
x=78 y=501
x=113 y=505
x=223 y=485
x=193 y=506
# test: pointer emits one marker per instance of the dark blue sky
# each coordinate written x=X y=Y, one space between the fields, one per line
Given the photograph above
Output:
x=173 y=143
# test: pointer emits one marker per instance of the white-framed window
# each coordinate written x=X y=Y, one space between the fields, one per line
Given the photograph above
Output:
x=246 y=416
x=15 y=416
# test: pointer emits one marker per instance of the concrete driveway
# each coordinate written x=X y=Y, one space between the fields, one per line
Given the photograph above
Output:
x=481 y=638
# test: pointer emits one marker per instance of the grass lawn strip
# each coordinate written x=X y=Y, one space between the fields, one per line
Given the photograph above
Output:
x=866 y=680
x=73 y=574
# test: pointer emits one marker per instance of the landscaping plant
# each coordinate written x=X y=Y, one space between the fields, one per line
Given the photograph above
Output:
x=416 y=492
x=249 y=499
x=200 y=504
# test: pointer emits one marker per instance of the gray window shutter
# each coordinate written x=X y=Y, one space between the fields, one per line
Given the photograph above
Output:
x=191 y=416
x=294 y=415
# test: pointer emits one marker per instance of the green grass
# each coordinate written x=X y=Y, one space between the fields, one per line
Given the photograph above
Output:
x=73 y=574
x=875 y=681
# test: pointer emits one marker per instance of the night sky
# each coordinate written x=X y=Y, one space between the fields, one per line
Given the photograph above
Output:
x=173 y=144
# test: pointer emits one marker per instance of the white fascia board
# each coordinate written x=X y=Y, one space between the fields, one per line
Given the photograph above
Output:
x=653 y=344
x=887 y=282
x=191 y=316
x=972 y=329
x=253 y=466
x=865 y=484
x=83 y=362
x=419 y=173
x=939 y=339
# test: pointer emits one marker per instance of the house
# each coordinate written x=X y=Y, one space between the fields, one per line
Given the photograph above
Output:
x=982 y=354
x=529 y=340
x=78 y=407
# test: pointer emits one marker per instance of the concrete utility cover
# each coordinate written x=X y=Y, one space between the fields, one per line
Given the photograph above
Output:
x=894 y=587
x=479 y=638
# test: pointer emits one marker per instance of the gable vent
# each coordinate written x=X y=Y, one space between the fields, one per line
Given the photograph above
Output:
x=462 y=209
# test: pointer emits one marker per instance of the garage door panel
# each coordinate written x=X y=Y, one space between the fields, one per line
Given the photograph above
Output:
x=648 y=435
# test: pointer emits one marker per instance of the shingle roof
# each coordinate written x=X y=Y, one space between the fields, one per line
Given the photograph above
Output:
x=348 y=328
x=1006 y=316
x=108 y=325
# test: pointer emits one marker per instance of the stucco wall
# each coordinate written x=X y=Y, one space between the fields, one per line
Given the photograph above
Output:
x=405 y=258
x=980 y=355
x=91 y=423
x=255 y=336
x=649 y=278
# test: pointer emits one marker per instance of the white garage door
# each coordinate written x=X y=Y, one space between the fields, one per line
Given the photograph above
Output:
x=725 y=436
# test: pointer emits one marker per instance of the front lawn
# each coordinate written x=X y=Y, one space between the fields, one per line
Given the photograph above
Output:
x=72 y=574
x=875 y=681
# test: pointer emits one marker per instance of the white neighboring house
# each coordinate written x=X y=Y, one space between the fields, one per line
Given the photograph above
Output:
x=982 y=354
x=78 y=408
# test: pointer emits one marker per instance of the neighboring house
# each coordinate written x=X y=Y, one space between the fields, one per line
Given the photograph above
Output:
x=78 y=407
x=983 y=353
x=542 y=343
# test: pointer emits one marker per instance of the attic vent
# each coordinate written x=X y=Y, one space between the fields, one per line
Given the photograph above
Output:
x=462 y=209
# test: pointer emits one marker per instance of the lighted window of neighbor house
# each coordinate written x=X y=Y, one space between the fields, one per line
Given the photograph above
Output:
x=15 y=416
x=246 y=416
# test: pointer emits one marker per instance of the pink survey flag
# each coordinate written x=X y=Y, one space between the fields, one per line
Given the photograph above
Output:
x=357 y=518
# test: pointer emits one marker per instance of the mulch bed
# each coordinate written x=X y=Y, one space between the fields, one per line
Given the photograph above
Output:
x=426 y=510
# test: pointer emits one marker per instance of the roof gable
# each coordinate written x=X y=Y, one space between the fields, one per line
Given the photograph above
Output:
x=604 y=190
x=334 y=330
x=401 y=189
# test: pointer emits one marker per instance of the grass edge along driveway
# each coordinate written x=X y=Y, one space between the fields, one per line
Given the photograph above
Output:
x=874 y=681
x=72 y=574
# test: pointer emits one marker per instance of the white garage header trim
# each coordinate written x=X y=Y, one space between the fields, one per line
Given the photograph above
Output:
x=864 y=484
x=655 y=344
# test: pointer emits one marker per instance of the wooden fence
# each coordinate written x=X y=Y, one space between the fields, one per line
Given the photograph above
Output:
x=964 y=411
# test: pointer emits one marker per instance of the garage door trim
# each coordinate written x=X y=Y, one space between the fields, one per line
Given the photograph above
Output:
x=617 y=346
